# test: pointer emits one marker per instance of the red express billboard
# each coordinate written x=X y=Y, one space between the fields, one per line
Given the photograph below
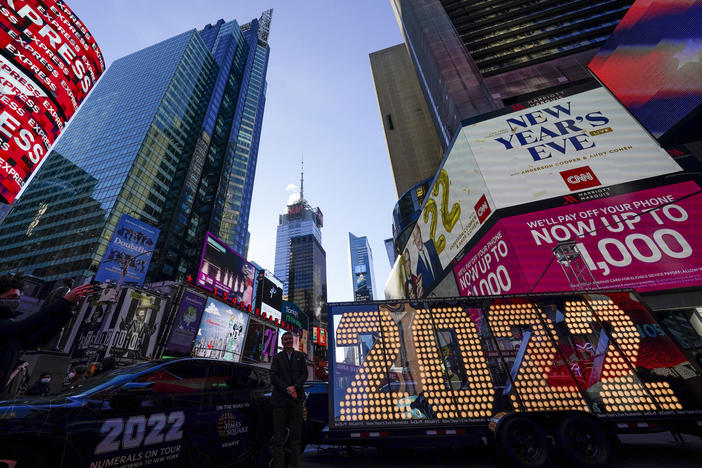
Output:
x=647 y=240
x=49 y=62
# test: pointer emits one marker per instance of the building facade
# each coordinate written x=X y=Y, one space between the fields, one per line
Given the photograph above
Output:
x=169 y=136
x=361 y=261
x=413 y=144
x=300 y=220
x=307 y=278
x=473 y=57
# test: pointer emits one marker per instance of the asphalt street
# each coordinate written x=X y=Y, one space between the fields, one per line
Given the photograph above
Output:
x=639 y=451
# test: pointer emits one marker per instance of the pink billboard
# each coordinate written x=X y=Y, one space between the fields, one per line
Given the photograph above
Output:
x=647 y=240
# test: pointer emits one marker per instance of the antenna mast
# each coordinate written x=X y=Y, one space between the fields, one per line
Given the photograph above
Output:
x=302 y=179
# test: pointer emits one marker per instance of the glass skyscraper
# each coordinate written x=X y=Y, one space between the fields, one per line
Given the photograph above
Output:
x=300 y=220
x=169 y=135
x=362 y=276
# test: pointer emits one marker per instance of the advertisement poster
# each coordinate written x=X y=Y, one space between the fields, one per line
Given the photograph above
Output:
x=133 y=244
x=575 y=143
x=261 y=339
x=88 y=336
x=48 y=64
x=134 y=331
x=221 y=333
x=186 y=323
x=463 y=361
x=270 y=296
x=647 y=240
x=225 y=272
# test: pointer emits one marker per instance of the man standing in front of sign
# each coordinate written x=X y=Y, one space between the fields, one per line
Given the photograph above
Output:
x=288 y=375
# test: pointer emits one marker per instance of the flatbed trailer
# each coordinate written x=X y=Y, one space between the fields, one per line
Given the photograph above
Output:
x=529 y=373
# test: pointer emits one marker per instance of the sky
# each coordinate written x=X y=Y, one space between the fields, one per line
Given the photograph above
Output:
x=320 y=103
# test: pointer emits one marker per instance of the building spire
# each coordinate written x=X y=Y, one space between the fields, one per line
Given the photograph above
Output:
x=302 y=179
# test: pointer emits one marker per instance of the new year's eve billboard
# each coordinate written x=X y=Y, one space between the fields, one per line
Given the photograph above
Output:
x=225 y=272
x=648 y=240
x=132 y=244
x=49 y=63
x=581 y=141
x=652 y=63
x=221 y=333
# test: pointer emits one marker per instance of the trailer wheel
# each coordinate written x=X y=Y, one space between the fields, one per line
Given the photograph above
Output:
x=584 y=442
x=523 y=442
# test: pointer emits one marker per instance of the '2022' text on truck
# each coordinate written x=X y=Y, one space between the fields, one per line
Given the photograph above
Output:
x=578 y=367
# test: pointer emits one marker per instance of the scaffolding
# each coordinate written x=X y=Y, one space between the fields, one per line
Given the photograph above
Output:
x=574 y=266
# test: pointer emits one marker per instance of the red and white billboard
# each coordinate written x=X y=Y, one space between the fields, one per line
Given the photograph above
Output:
x=49 y=62
x=647 y=240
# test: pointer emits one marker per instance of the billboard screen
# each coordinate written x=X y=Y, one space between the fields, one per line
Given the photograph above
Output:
x=647 y=240
x=225 y=272
x=186 y=323
x=260 y=345
x=461 y=362
x=49 y=63
x=221 y=333
x=133 y=332
x=132 y=244
x=270 y=296
x=651 y=63
x=577 y=142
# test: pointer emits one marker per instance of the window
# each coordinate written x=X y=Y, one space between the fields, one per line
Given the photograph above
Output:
x=180 y=377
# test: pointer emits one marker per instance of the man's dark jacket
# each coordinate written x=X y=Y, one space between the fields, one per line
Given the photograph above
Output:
x=17 y=333
x=286 y=372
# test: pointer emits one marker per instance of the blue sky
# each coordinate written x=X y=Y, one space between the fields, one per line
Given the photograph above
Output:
x=320 y=101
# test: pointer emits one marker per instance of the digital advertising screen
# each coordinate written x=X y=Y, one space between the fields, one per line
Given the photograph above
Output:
x=49 y=63
x=261 y=342
x=648 y=240
x=186 y=323
x=575 y=143
x=225 y=272
x=580 y=141
x=132 y=244
x=463 y=361
x=270 y=297
x=221 y=333
x=133 y=332
x=652 y=64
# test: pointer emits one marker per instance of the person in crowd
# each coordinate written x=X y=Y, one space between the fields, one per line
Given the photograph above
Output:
x=41 y=387
x=77 y=375
x=20 y=333
x=288 y=375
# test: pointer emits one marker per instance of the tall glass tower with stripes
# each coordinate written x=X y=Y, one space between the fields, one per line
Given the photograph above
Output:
x=170 y=136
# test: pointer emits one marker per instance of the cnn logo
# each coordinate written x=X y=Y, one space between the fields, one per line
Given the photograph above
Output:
x=580 y=178
x=482 y=209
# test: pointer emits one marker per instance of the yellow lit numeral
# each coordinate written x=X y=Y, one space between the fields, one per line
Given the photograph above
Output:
x=618 y=378
x=531 y=382
x=449 y=219
x=475 y=401
x=363 y=401
x=430 y=210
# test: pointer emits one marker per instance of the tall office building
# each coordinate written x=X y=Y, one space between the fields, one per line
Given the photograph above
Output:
x=170 y=136
x=307 y=278
x=300 y=220
x=361 y=262
x=472 y=56
x=413 y=144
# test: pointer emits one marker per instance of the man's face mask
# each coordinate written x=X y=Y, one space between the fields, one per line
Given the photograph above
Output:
x=11 y=303
x=46 y=380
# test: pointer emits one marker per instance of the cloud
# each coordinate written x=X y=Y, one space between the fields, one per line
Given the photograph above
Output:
x=293 y=193
x=212 y=309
